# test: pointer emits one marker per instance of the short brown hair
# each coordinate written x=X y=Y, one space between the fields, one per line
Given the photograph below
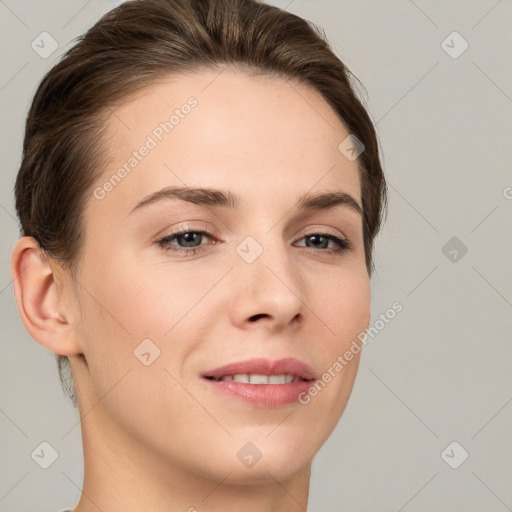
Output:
x=132 y=46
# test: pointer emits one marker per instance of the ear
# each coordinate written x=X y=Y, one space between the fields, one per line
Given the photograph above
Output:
x=40 y=299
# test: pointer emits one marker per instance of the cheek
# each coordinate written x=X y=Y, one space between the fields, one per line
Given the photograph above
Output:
x=133 y=304
x=345 y=310
x=118 y=314
x=345 y=306
x=144 y=301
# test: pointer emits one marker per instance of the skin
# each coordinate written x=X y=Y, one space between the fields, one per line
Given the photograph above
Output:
x=156 y=437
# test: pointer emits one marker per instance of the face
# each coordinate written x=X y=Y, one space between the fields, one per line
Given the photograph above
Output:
x=181 y=284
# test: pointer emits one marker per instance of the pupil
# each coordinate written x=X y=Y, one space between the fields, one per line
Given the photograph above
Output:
x=316 y=237
x=190 y=236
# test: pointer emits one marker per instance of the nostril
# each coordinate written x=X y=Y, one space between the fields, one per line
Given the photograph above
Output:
x=257 y=317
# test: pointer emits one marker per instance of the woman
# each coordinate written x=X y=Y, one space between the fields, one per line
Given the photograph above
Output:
x=199 y=195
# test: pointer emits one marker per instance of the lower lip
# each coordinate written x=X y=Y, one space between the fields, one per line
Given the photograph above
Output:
x=262 y=395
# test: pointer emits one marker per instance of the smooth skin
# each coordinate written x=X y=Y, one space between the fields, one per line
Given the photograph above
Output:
x=156 y=437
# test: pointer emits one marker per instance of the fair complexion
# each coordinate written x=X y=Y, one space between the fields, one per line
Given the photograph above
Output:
x=160 y=437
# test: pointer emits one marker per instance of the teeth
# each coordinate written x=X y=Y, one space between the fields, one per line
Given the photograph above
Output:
x=242 y=377
x=258 y=379
x=255 y=378
x=277 y=379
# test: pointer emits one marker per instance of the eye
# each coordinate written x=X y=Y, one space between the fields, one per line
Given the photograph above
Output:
x=189 y=242
x=190 y=239
x=321 y=240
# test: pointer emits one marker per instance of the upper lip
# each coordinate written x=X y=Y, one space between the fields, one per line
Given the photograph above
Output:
x=262 y=366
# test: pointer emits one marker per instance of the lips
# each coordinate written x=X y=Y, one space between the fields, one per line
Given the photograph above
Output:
x=262 y=382
x=261 y=366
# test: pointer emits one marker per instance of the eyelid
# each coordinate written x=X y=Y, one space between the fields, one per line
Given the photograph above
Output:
x=325 y=231
x=185 y=228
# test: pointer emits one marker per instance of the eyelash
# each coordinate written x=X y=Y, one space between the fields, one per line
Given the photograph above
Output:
x=343 y=244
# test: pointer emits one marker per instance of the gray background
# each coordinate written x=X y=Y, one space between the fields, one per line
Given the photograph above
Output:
x=440 y=370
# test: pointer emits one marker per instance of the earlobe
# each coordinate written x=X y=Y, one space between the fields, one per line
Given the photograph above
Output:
x=39 y=301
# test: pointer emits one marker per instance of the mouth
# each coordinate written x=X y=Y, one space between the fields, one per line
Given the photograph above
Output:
x=263 y=371
x=258 y=378
x=262 y=382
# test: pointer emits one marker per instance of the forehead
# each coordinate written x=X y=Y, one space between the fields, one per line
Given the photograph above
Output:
x=257 y=134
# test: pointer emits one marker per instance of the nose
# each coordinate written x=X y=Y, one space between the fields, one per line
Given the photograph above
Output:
x=268 y=291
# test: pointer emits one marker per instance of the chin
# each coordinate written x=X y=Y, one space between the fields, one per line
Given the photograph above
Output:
x=260 y=459
x=279 y=466
x=275 y=456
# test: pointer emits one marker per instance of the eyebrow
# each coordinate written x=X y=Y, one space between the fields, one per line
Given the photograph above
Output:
x=225 y=198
